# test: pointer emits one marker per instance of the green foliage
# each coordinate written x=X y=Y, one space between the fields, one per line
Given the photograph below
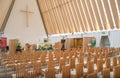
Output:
x=50 y=47
x=93 y=42
x=18 y=46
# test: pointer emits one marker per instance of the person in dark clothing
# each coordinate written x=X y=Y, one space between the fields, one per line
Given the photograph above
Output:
x=7 y=48
x=63 y=44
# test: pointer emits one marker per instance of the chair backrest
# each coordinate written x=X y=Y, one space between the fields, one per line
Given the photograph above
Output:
x=61 y=63
x=75 y=53
x=37 y=67
x=100 y=56
x=71 y=54
x=42 y=57
x=57 y=54
x=90 y=67
x=65 y=55
x=95 y=58
x=107 y=62
x=31 y=70
x=119 y=60
x=81 y=59
x=65 y=71
x=20 y=70
x=79 y=70
x=50 y=73
x=88 y=57
x=50 y=56
x=114 y=61
x=106 y=73
x=99 y=65
x=51 y=64
x=72 y=62
x=116 y=71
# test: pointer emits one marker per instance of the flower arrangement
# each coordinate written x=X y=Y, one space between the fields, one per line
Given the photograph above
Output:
x=45 y=47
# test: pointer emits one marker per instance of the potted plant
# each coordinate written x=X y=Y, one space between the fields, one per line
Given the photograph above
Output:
x=93 y=43
x=18 y=47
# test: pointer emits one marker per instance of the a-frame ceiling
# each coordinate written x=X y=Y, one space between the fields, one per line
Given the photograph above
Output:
x=69 y=16
x=5 y=9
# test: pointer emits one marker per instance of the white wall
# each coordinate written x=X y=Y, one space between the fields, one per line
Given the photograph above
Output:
x=113 y=35
x=58 y=38
x=35 y=33
x=115 y=38
x=16 y=25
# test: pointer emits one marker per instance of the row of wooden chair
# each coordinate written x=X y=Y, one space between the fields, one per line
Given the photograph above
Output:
x=68 y=57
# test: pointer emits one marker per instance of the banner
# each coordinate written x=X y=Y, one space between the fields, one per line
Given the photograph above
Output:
x=3 y=42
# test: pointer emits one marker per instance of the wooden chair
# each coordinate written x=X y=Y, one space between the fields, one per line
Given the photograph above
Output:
x=72 y=62
x=50 y=73
x=114 y=61
x=31 y=74
x=71 y=54
x=50 y=56
x=51 y=64
x=95 y=58
x=107 y=63
x=100 y=56
x=66 y=72
x=37 y=68
x=79 y=70
x=75 y=53
x=80 y=54
x=42 y=58
x=57 y=55
x=106 y=73
x=119 y=60
x=99 y=65
x=20 y=71
x=61 y=64
x=90 y=67
x=61 y=54
x=116 y=71
x=81 y=59
x=65 y=55
x=88 y=57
